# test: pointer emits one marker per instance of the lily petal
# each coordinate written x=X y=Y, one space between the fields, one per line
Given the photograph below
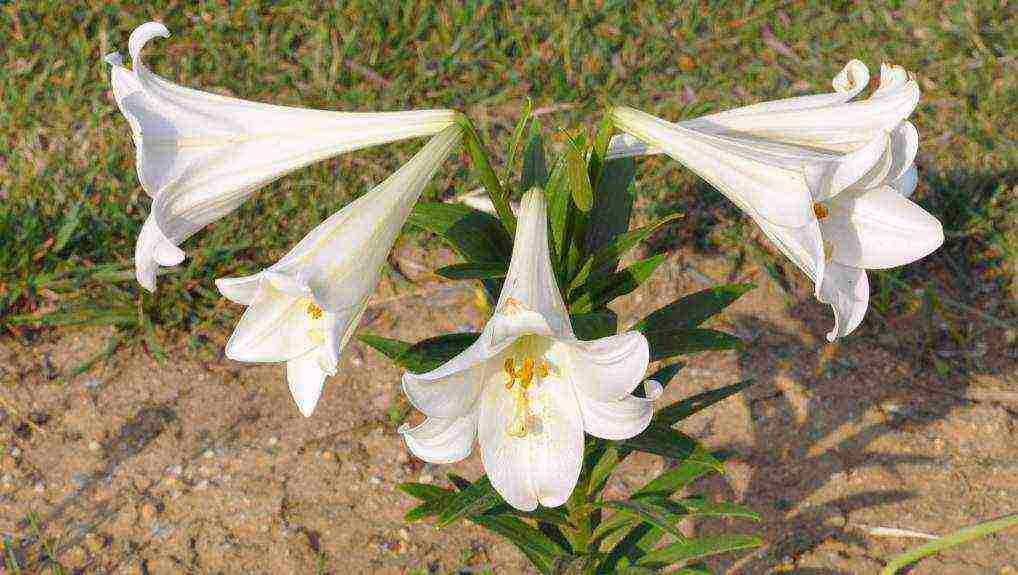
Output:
x=306 y=378
x=438 y=440
x=201 y=155
x=619 y=419
x=880 y=229
x=803 y=245
x=904 y=147
x=609 y=368
x=530 y=284
x=275 y=327
x=758 y=176
x=847 y=290
x=906 y=184
x=542 y=466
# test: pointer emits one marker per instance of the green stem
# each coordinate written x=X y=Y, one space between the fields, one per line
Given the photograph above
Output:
x=498 y=194
x=957 y=538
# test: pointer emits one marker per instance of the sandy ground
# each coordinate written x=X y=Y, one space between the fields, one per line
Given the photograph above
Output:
x=203 y=465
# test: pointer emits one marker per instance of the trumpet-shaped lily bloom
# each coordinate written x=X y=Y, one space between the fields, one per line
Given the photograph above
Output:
x=303 y=309
x=826 y=179
x=527 y=388
x=201 y=155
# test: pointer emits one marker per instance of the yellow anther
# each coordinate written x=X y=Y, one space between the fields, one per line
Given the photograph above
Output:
x=543 y=369
x=527 y=373
x=820 y=211
x=313 y=310
x=521 y=410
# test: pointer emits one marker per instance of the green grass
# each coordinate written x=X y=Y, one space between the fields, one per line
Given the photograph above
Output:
x=71 y=206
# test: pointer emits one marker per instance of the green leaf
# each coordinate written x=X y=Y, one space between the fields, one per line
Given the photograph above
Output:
x=700 y=506
x=535 y=167
x=665 y=374
x=434 y=500
x=71 y=222
x=430 y=353
x=499 y=196
x=557 y=195
x=602 y=470
x=479 y=497
x=676 y=478
x=669 y=343
x=473 y=271
x=963 y=535
x=692 y=310
x=595 y=324
x=473 y=234
x=680 y=410
x=542 y=551
x=656 y=515
x=579 y=179
x=514 y=144
x=613 y=204
x=424 y=355
x=390 y=348
x=600 y=292
x=697 y=548
x=606 y=258
x=668 y=442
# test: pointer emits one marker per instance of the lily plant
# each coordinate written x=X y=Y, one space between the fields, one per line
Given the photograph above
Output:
x=550 y=388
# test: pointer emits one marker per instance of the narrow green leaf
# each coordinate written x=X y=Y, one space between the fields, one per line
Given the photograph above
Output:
x=479 y=497
x=697 y=548
x=668 y=442
x=558 y=197
x=599 y=293
x=595 y=324
x=579 y=179
x=434 y=500
x=499 y=196
x=473 y=234
x=963 y=535
x=613 y=204
x=390 y=348
x=607 y=256
x=514 y=144
x=692 y=310
x=669 y=343
x=680 y=410
x=700 y=506
x=602 y=470
x=675 y=478
x=657 y=516
x=67 y=228
x=535 y=166
x=430 y=353
x=473 y=271
x=542 y=551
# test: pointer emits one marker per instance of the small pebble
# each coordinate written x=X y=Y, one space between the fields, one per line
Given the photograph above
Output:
x=404 y=534
x=15 y=451
x=93 y=445
x=328 y=455
x=375 y=480
x=148 y=512
x=92 y=383
x=209 y=454
x=273 y=441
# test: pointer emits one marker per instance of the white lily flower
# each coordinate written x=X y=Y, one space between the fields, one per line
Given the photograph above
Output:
x=826 y=179
x=527 y=388
x=303 y=309
x=201 y=155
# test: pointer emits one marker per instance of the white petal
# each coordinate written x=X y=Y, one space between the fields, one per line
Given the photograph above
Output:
x=847 y=290
x=906 y=184
x=804 y=246
x=240 y=290
x=151 y=251
x=869 y=163
x=275 y=327
x=306 y=378
x=892 y=77
x=544 y=465
x=621 y=418
x=342 y=258
x=530 y=289
x=452 y=389
x=880 y=229
x=439 y=440
x=904 y=147
x=609 y=368
x=202 y=155
x=759 y=177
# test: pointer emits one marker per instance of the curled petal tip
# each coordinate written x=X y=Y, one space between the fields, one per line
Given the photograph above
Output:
x=114 y=59
x=142 y=34
x=852 y=78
